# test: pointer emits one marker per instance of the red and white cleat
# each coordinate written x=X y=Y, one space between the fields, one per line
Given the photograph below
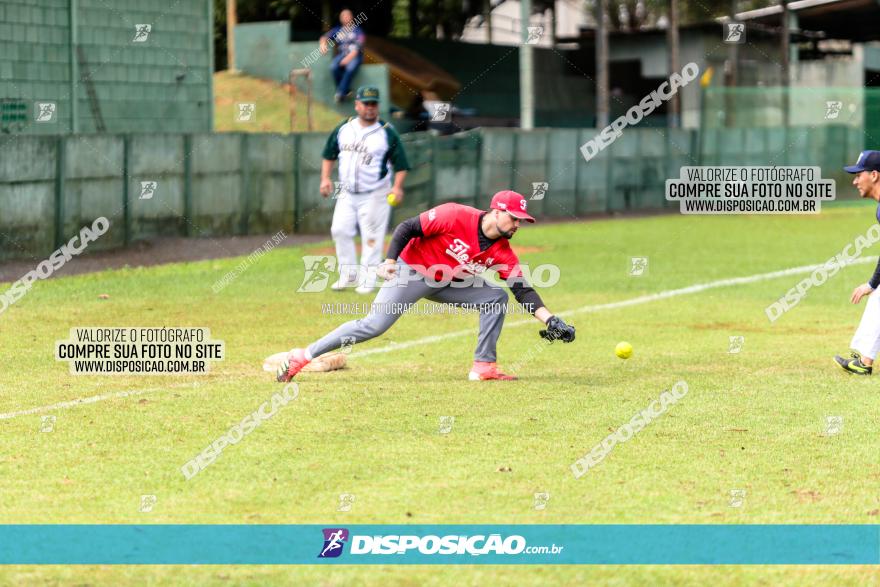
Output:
x=296 y=360
x=483 y=371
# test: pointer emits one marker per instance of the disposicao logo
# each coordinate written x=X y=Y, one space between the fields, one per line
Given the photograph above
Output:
x=432 y=544
x=334 y=540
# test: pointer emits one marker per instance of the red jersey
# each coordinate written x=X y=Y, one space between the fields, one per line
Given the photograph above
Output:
x=451 y=239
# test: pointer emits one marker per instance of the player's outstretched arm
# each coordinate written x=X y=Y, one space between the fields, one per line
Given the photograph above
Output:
x=543 y=314
x=405 y=232
x=557 y=329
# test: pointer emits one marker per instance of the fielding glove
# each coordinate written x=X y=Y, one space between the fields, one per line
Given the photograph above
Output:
x=557 y=329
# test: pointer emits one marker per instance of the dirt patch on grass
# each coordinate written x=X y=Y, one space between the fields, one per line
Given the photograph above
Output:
x=331 y=250
x=157 y=252
x=525 y=250
x=807 y=495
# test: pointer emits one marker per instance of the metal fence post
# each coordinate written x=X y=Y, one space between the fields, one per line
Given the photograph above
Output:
x=577 y=192
x=60 y=173
x=513 y=161
x=244 y=197
x=609 y=169
x=296 y=182
x=126 y=189
x=432 y=191
x=187 y=184
x=478 y=188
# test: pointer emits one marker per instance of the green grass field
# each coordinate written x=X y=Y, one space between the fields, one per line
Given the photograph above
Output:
x=753 y=421
x=272 y=106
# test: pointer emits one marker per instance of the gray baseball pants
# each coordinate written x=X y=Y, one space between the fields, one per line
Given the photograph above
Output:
x=398 y=294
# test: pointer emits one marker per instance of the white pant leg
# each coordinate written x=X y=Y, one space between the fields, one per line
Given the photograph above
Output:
x=866 y=340
x=343 y=230
x=373 y=213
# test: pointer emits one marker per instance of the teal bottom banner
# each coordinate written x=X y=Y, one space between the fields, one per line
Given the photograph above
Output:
x=441 y=544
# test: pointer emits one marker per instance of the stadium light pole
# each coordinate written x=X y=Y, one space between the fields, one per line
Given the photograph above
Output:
x=526 y=70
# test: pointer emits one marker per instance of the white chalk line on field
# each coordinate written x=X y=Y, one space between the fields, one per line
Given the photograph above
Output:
x=75 y=402
x=90 y=400
x=436 y=338
x=622 y=304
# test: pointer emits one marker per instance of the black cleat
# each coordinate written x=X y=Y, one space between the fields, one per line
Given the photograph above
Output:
x=853 y=365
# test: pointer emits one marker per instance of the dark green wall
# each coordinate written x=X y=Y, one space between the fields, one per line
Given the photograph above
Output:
x=162 y=84
x=489 y=76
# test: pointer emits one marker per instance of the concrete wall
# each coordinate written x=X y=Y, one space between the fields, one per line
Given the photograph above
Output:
x=161 y=84
x=245 y=183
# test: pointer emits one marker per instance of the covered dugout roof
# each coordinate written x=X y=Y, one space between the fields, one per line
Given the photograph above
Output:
x=854 y=20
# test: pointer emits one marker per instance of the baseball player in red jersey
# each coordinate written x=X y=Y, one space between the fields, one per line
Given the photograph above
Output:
x=439 y=255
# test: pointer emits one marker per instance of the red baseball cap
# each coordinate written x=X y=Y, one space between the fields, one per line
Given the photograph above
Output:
x=513 y=203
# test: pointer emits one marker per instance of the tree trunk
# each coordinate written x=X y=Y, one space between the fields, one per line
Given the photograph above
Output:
x=413 y=9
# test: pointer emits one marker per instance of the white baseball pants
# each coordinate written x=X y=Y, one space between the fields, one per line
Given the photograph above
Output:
x=368 y=212
x=866 y=340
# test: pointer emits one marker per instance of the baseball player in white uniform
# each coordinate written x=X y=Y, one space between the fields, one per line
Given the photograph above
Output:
x=866 y=340
x=368 y=150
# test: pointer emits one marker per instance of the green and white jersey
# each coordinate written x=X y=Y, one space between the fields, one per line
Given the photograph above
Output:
x=366 y=154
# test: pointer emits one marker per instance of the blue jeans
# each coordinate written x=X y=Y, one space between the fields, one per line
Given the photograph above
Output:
x=343 y=75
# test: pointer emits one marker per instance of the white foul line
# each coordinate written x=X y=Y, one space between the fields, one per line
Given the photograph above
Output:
x=623 y=304
x=436 y=338
x=75 y=402
x=92 y=399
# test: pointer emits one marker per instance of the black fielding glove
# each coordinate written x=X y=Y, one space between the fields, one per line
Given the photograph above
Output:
x=557 y=329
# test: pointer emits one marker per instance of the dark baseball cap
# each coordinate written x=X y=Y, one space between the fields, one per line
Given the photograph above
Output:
x=868 y=161
x=367 y=94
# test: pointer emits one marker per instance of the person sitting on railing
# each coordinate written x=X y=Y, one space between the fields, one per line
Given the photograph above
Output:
x=350 y=39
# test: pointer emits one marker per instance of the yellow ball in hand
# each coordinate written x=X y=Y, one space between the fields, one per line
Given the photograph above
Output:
x=392 y=199
x=624 y=350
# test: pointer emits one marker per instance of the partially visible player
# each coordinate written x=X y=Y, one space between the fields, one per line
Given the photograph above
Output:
x=369 y=151
x=447 y=243
x=866 y=340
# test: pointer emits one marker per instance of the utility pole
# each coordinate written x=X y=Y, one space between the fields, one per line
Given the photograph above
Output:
x=526 y=70
x=231 y=21
x=674 y=118
x=785 y=47
x=730 y=72
x=602 y=112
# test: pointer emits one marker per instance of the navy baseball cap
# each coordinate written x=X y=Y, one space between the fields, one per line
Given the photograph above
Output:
x=868 y=161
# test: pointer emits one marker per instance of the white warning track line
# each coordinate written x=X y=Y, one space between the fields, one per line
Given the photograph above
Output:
x=622 y=304
x=704 y=286
x=431 y=339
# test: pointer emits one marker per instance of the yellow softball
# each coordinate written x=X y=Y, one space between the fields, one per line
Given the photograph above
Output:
x=624 y=350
